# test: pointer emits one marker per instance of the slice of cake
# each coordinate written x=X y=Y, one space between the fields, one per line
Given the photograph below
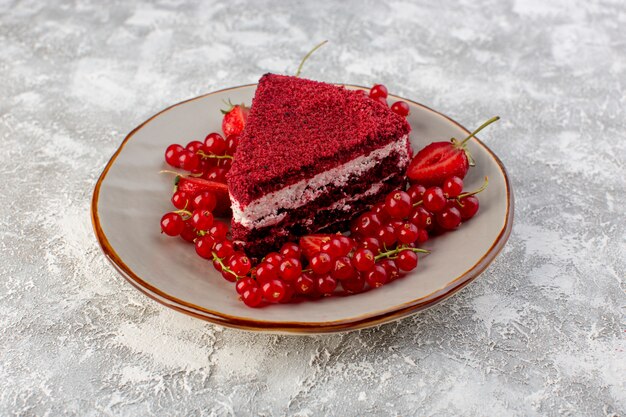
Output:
x=312 y=157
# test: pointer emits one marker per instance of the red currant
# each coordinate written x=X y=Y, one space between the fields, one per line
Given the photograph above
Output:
x=380 y=211
x=252 y=297
x=194 y=146
x=204 y=247
x=214 y=143
x=189 y=233
x=370 y=243
x=205 y=165
x=205 y=200
x=368 y=224
x=326 y=284
x=347 y=244
x=422 y=236
x=245 y=284
x=289 y=292
x=232 y=142
x=266 y=272
x=181 y=200
x=290 y=250
x=290 y=269
x=172 y=224
x=188 y=160
x=172 y=153
x=333 y=247
x=274 y=290
x=434 y=200
x=453 y=186
x=421 y=217
x=363 y=259
x=408 y=233
x=396 y=224
x=305 y=284
x=274 y=258
x=216 y=174
x=378 y=90
x=342 y=269
x=391 y=268
x=225 y=163
x=469 y=207
x=376 y=277
x=400 y=108
x=354 y=285
x=228 y=276
x=202 y=219
x=217 y=265
x=321 y=263
x=416 y=192
x=398 y=204
x=449 y=218
x=406 y=260
x=224 y=248
x=240 y=264
x=387 y=235
x=219 y=230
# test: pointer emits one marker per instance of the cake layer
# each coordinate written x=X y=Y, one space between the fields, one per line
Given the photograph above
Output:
x=334 y=218
x=299 y=128
x=349 y=189
x=273 y=207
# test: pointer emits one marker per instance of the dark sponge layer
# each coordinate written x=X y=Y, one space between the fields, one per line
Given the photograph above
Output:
x=262 y=241
x=386 y=167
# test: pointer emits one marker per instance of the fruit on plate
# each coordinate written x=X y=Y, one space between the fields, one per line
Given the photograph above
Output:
x=195 y=186
x=441 y=160
x=381 y=245
x=234 y=119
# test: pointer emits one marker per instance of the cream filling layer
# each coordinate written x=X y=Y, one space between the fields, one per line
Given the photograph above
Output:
x=344 y=203
x=264 y=211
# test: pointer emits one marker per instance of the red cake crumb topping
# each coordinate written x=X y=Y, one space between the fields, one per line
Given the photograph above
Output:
x=298 y=128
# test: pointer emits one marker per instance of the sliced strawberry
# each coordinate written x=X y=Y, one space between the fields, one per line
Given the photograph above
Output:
x=441 y=160
x=311 y=244
x=193 y=186
x=234 y=119
x=436 y=163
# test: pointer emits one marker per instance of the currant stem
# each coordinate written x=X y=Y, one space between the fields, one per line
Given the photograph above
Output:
x=165 y=171
x=307 y=57
x=419 y=203
x=210 y=155
x=481 y=189
x=481 y=127
x=183 y=212
x=224 y=267
x=393 y=252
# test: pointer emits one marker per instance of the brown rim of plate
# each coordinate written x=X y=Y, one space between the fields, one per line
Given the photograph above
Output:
x=368 y=320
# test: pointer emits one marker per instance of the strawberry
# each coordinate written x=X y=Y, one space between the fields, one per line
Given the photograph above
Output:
x=312 y=244
x=441 y=160
x=193 y=186
x=234 y=119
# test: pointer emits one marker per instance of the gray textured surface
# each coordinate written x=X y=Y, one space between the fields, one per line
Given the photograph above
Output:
x=540 y=333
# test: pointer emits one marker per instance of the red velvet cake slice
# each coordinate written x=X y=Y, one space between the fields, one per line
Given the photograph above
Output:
x=312 y=156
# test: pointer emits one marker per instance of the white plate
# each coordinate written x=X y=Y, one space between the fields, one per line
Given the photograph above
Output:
x=131 y=196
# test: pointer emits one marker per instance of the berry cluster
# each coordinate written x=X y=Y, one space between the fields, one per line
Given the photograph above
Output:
x=379 y=93
x=212 y=158
x=383 y=243
x=382 y=246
